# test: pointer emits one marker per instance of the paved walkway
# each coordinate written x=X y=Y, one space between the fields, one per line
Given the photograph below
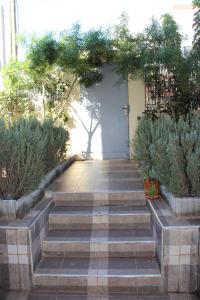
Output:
x=100 y=176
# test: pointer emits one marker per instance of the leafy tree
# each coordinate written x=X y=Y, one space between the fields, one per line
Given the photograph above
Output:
x=75 y=57
x=166 y=71
x=14 y=99
x=126 y=49
x=56 y=65
x=196 y=23
x=156 y=55
x=48 y=84
x=195 y=53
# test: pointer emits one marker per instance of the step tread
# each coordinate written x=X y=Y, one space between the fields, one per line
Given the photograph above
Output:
x=103 y=236
x=106 y=267
x=83 y=296
x=55 y=188
x=106 y=210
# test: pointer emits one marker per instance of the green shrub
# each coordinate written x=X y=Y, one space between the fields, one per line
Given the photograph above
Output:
x=142 y=143
x=56 y=138
x=26 y=154
x=177 y=181
x=170 y=152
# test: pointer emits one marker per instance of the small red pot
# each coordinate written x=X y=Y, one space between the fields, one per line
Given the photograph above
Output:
x=152 y=188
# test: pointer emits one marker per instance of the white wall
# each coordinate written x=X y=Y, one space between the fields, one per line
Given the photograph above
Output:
x=82 y=125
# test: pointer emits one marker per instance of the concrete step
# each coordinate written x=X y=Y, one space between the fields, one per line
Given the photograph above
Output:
x=35 y=295
x=112 y=217
x=101 y=196
x=50 y=295
x=99 y=276
x=99 y=243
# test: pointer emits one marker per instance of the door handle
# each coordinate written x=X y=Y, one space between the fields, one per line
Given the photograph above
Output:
x=126 y=109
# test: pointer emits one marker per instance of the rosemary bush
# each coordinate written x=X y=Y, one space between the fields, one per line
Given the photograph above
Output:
x=27 y=151
x=56 y=138
x=170 y=152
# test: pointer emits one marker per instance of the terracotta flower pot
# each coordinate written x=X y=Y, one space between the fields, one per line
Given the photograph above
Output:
x=151 y=188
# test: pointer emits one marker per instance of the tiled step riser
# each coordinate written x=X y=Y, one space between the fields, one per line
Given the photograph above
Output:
x=100 y=285
x=92 y=203
x=123 y=249
x=101 y=293
x=99 y=222
x=98 y=199
x=99 y=226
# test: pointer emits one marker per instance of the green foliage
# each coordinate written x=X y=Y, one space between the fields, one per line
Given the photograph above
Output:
x=170 y=152
x=178 y=182
x=195 y=53
x=43 y=52
x=21 y=158
x=98 y=47
x=126 y=49
x=196 y=23
x=14 y=99
x=144 y=138
x=75 y=52
x=83 y=54
x=58 y=64
x=160 y=164
x=152 y=190
x=54 y=66
x=156 y=55
x=165 y=69
x=29 y=149
x=56 y=138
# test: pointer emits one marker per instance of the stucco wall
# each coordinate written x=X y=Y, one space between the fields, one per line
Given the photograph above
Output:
x=136 y=94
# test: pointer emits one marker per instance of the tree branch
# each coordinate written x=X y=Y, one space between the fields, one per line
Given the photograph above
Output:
x=68 y=94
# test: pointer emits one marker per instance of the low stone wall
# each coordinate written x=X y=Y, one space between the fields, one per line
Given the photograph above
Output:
x=181 y=206
x=20 y=247
x=12 y=209
x=176 y=248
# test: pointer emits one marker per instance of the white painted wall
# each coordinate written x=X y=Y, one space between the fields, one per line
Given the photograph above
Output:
x=83 y=124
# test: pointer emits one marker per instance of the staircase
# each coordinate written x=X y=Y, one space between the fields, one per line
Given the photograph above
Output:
x=100 y=243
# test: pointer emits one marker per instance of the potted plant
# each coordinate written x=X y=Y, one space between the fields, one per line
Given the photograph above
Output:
x=151 y=188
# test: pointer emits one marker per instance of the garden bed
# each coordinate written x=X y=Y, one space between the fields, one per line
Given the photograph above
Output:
x=181 y=206
x=169 y=150
x=12 y=209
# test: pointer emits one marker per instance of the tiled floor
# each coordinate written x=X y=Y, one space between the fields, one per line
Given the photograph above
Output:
x=100 y=176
